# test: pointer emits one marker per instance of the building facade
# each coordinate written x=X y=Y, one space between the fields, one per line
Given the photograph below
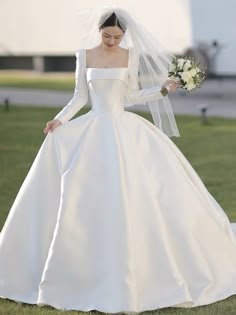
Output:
x=44 y=35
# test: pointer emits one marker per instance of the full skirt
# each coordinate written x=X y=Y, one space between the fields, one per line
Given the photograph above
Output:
x=111 y=216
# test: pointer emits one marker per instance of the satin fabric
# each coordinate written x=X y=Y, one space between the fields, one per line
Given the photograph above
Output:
x=111 y=216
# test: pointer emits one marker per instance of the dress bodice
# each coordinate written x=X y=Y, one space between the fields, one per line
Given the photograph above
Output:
x=107 y=88
x=110 y=90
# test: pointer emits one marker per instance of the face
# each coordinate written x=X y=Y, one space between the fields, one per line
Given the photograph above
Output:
x=111 y=36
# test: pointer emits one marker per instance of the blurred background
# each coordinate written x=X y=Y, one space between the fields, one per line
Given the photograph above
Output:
x=43 y=35
x=38 y=40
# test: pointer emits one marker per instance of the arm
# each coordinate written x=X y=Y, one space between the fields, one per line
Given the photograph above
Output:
x=134 y=95
x=80 y=97
x=144 y=95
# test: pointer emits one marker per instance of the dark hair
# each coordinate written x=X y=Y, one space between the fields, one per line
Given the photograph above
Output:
x=111 y=21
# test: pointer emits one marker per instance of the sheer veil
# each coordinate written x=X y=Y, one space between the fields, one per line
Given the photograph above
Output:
x=148 y=58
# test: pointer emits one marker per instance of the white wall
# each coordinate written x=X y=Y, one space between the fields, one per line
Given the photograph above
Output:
x=51 y=26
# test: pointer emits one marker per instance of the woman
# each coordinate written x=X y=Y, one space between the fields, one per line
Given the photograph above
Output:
x=111 y=216
x=108 y=54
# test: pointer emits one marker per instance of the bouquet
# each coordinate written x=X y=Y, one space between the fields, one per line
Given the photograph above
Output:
x=185 y=71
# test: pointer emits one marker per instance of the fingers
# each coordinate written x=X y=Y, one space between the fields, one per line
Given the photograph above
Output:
x=171 y=81
x=46 y=130
x=173 y=88
x=49 y=127
x=173 y=85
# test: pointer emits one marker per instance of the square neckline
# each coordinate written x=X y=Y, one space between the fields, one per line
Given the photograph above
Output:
x=87 y=68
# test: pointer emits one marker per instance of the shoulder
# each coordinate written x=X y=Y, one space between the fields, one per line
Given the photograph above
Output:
x=124 y=51
x=93 y=50
x=81 y=57
x=79 y=52
x=90 y=52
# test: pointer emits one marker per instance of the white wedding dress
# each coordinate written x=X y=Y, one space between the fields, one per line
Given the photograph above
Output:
x=111 y=215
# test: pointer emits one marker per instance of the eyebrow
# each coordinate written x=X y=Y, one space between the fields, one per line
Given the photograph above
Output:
x=110 y=34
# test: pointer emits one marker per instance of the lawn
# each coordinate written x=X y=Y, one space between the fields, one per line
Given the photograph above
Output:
x=211 y=150
x=30 y=79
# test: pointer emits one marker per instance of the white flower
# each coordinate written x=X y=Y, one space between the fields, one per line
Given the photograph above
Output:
x=198 y=69
x=172 y=68
x=190 y=85
x=180 y=63
x=187 y=65
x=186 y=76
x=187 y=72
x=193 y=72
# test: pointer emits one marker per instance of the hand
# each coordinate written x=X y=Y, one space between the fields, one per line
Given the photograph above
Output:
x=51 y=125
x=172 y=85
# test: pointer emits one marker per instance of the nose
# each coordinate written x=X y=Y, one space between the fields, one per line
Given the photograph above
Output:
x=111 y=40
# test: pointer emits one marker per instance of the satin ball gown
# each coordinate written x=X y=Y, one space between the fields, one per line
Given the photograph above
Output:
x=111 y=216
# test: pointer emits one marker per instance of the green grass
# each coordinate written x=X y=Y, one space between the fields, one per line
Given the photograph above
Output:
x=49 y=81
x=225 y=307
x=211 y=150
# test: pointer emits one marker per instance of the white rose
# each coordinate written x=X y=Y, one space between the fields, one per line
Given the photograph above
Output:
x=186 y=76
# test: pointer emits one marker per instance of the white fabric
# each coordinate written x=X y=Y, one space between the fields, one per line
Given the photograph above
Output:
x=111 y=216
x=80 y=98
x=148 y=58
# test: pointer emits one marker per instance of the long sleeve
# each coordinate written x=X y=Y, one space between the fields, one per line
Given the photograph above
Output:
x=80 y=96
x=143 y=95
x=135 y=95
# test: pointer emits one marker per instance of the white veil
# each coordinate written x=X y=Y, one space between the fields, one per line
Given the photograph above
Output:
x=148 y=59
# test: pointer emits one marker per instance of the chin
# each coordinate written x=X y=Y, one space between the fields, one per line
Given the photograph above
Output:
x=110 y=46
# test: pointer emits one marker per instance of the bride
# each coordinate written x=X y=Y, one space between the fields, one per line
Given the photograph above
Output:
x=111 y=216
